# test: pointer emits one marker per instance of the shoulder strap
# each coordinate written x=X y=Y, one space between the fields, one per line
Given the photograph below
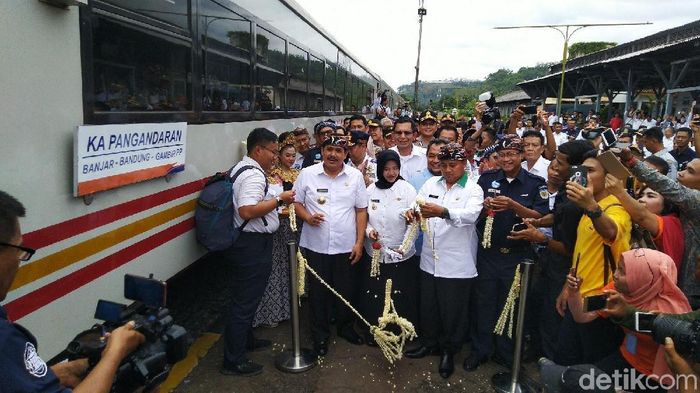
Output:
x=233 y=180
x=609 y=265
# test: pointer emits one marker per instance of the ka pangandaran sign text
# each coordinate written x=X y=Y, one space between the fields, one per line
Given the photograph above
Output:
x=114 y=155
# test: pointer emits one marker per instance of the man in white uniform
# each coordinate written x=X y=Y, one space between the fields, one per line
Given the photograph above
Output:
x=331 y=199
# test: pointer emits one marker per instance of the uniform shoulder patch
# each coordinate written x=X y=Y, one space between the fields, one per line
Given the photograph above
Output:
x=544 y=193
x=32 y=362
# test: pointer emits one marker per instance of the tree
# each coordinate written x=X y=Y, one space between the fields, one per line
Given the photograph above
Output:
x=583 y=48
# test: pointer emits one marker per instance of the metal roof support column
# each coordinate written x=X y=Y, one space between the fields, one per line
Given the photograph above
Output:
x=673 y=80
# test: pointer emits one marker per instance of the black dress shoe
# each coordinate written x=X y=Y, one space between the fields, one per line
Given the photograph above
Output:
x=447 y=365
x=321 y=347
x=258 y=344
x=243 y=369
x=422 y=352
x=501 y=361
x=473 y=362
x=351 y=336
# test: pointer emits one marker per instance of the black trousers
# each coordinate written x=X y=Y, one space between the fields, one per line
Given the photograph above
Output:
x=405 y=278
x=337 y=271
x=491 y=294
x=444 y=311
x=590 y=342
x=251 y=257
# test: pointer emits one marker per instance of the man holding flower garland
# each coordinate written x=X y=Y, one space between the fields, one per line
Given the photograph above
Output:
x=511 y=194
x=451 y=204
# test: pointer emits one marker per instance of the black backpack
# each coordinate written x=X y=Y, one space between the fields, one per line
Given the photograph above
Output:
x=213 y=215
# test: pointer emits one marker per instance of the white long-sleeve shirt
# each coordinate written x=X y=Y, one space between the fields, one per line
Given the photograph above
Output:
x=385 y=209
x=455 y=239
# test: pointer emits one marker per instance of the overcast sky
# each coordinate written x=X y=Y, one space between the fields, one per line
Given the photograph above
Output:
x=458 y=36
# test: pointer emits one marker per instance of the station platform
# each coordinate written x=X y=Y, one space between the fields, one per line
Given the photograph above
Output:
x=346 y=367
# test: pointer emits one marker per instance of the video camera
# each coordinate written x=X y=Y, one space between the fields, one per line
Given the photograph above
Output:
x=166 y=343
x=685 y=334
x=491 y=116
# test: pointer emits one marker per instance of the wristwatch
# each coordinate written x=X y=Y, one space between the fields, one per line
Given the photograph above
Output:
x=445 y=214
x=594 y=213
x=279 y=200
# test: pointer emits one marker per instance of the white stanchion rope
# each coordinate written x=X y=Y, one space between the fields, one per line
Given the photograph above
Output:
x=507 y=315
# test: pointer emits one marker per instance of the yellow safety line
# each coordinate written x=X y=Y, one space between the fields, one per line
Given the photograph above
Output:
x=68 y=256
x=183 y=368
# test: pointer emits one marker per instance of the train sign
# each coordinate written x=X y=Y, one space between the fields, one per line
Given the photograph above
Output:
x=113 y=155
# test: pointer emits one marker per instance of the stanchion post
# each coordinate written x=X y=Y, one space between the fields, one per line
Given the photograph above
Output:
x=297 y=359
x=509 y=382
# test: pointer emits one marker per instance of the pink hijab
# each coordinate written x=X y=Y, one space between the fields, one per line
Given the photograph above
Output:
x=651 y=279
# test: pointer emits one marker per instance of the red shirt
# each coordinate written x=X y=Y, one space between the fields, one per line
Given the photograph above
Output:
x=671 y=240
x=615 y=123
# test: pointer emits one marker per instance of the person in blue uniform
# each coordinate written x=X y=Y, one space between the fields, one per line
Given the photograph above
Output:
x=510 y=194
x=22 y=368
x=322 y=131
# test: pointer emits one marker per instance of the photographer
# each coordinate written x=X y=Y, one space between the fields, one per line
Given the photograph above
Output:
x=646 y=279
x=22 y=368
x=623 y=314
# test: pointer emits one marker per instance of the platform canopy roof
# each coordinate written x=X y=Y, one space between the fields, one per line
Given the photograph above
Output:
x=666 y=61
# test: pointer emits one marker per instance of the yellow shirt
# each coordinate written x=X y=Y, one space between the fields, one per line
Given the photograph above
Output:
x=589 y=245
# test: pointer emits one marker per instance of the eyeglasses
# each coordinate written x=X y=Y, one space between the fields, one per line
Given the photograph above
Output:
x=509 y=154
x=23 y=253
x=275 y=152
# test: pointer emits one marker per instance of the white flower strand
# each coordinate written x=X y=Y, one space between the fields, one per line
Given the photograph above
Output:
x=292 y=217
x=509 y=307
x=409 y=237
x=425 y=227
x=374 y=267
x=390 y=343
x=488 y=229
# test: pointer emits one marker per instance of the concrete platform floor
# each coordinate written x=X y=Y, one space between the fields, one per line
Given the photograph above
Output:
x=346 y=368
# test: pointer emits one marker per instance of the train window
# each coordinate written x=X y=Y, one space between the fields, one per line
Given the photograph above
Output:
x=340 y=87
x=316 y=77
x=226 y=43
x=298 y=79
x=271 y=55
x=282 y=18
x=329 y=102
x=174 y=12
x=136 y=69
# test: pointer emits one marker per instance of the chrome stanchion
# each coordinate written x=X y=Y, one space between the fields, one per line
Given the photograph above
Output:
x=508 y=382
x=297 y=359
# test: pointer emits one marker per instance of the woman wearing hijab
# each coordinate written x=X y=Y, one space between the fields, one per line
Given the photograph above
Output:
x=645 y=279
x=389 y=197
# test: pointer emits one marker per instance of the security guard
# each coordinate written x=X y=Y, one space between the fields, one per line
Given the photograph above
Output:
x=322 y=131
x=427 y=126
x=511 y=194
x=22 y=368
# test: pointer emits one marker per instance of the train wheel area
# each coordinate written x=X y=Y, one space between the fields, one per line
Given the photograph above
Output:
x=199 y=298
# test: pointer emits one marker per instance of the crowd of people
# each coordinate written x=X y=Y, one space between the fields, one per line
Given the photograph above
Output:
x=447 y=209
x=484 y=199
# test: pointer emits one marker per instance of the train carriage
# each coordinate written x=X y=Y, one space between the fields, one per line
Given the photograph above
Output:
x=223 y=67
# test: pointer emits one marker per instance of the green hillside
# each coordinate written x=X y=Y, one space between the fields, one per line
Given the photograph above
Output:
x=462 y=94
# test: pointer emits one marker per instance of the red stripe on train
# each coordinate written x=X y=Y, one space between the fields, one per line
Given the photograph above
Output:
x=39 y=298
x=58 y=232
